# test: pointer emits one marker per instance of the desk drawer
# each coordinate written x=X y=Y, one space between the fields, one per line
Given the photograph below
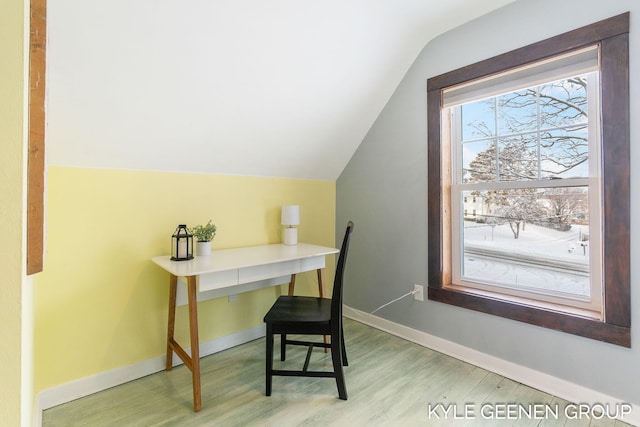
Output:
x=220 y=279
x=266 y=271
x=312 y=263
x=260 y=272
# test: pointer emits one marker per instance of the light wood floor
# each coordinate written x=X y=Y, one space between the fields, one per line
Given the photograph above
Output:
x=390 y=381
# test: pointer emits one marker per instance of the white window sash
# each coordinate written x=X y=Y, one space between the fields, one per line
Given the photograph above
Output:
x=459 y=95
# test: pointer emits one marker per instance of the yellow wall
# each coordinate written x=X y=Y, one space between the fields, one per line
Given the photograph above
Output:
x=102 y=304
x=12 y=86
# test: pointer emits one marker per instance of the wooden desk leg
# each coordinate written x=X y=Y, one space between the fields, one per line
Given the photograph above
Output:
x=195 y=344
x=322 y=292
x=292 y=285
x=173 y=286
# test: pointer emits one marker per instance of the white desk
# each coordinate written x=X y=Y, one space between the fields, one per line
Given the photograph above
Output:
x=232 y=271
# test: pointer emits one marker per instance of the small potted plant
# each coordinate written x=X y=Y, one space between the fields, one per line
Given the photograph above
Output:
x=204 y=234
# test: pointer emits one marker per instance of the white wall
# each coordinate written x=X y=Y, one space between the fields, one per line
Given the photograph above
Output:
x=383 y=189
x=283 y=88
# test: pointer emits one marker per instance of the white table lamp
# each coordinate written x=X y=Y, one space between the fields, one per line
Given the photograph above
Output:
x=290 y=217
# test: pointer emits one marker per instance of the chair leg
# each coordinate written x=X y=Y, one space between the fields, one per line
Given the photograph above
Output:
x=344 y=350
x=337 y=367
x=269 y=361
x=283 y=347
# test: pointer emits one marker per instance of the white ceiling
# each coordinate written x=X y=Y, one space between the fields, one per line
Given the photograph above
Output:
x=284 y=88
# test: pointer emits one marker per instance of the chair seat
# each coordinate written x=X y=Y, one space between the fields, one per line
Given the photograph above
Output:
x=295 y=309
x=300 y=315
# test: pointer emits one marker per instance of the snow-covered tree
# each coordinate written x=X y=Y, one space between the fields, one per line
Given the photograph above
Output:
x=532 y=134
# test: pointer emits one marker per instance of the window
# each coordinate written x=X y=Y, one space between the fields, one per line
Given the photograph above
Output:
x=538 y=138
x=529 y=150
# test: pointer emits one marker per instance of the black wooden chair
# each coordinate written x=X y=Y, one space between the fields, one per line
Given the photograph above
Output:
x=297 y=315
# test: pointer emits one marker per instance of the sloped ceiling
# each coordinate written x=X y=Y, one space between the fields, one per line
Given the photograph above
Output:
x=283 y=88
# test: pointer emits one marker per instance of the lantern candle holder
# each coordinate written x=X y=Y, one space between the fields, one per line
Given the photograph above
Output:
x=181 y=244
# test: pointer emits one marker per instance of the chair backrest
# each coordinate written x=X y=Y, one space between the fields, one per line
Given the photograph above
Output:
x=336 y=296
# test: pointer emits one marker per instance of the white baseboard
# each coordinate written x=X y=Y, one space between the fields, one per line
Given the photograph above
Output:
x=544 y=382
x=85 y=386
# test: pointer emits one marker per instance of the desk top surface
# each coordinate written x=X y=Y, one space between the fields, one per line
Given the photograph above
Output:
x=250 y=256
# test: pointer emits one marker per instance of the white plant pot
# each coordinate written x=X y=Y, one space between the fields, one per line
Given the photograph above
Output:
x=203 y=248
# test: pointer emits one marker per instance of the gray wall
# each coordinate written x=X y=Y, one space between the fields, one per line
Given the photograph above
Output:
x=383 y=190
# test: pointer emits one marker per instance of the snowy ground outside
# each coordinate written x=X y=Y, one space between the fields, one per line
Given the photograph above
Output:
x=541 y=258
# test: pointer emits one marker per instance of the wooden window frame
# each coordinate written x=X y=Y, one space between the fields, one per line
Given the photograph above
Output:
x=613 y=37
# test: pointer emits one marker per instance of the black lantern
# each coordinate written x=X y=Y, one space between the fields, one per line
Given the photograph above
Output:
x=181 y=244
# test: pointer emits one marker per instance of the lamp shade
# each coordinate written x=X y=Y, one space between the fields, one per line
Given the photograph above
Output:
x=290 y=215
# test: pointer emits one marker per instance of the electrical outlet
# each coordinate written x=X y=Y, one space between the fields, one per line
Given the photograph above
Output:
x=419 y=292
x=233 y=297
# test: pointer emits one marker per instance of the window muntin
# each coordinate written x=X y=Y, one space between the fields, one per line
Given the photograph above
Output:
x=530 y=157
